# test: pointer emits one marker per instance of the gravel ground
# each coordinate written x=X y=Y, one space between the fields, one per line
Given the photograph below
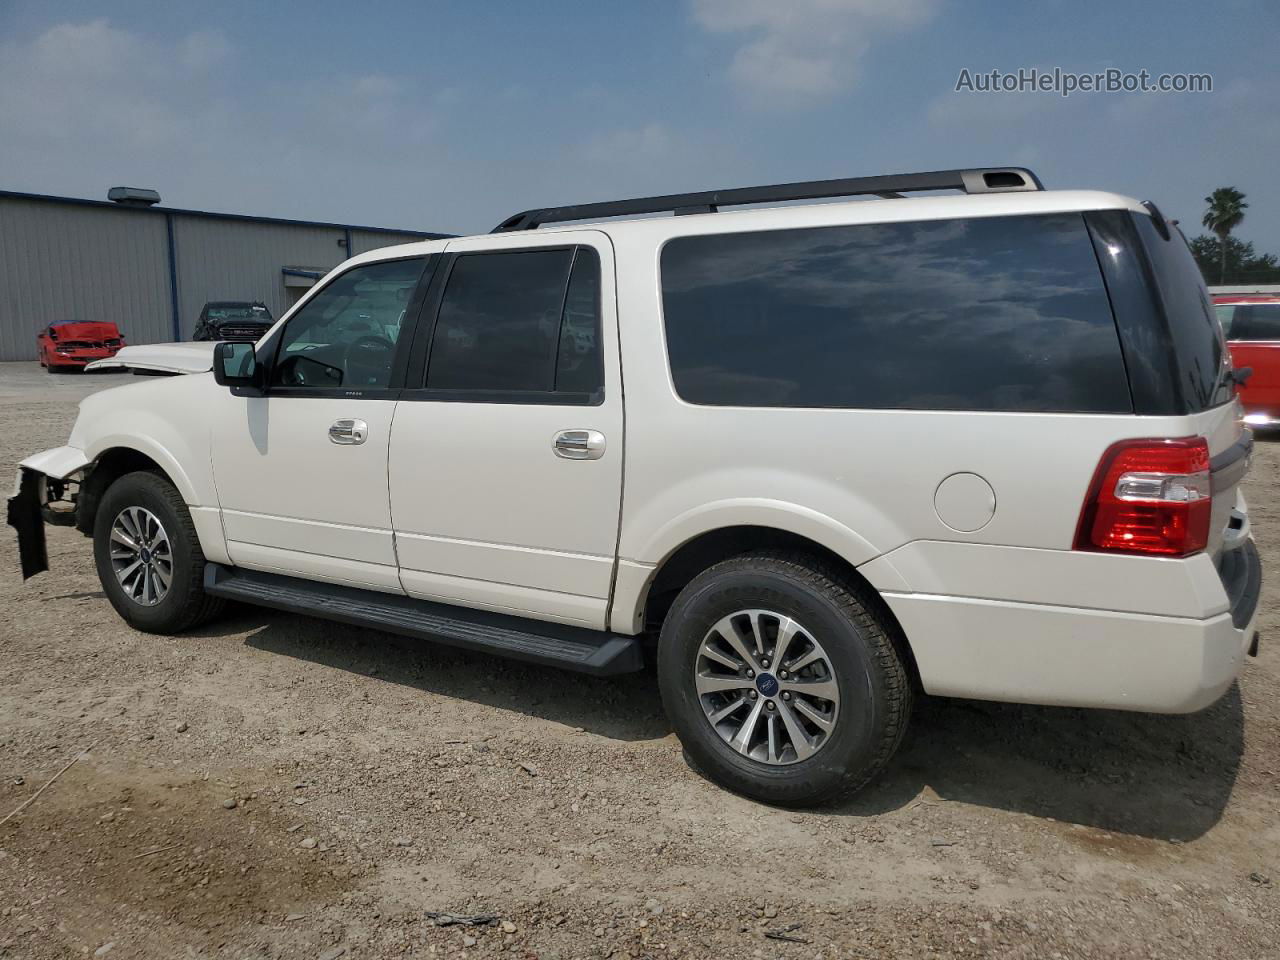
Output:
x=274 y=786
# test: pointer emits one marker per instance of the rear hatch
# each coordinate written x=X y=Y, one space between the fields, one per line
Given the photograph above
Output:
x=1175 y=351
x=1202 y=364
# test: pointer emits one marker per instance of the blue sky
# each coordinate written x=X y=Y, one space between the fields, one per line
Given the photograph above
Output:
x=450 y=116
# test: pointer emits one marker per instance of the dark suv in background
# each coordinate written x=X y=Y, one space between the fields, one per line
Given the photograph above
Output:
x=233 y=320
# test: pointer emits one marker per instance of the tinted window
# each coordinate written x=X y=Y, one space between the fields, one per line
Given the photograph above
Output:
x=239 y=311
x=345 y=335
x=519 y=322
x=1253 y=321
x=1198 y=345
x=1001 y=313
x=578 y=361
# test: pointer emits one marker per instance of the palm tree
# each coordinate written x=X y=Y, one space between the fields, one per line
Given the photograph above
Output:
x=1226 y=211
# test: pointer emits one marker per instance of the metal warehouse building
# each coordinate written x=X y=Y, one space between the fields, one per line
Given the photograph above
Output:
x=150 y=269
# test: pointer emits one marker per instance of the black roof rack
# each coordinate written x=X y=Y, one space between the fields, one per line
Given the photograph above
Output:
x=977 y=180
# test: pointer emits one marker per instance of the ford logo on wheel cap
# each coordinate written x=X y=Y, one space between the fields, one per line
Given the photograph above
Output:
x=767 y=684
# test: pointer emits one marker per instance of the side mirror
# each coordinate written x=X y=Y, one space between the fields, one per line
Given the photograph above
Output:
x=236 y=365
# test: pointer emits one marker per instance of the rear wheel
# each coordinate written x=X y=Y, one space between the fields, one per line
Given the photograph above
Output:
x=783 y=683
x=148 y=557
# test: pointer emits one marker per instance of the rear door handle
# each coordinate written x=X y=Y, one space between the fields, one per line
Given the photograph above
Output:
x=579 y=444
x=349 y=432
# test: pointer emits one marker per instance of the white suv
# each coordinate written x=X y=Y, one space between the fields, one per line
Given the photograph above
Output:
x=813 y=457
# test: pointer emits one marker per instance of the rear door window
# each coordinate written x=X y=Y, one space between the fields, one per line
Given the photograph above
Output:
x=999 y=313
x=520 y=326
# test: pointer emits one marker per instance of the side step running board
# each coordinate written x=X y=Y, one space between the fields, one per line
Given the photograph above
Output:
x=573 y=648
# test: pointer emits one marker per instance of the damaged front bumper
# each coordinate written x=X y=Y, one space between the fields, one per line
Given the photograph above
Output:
x=47 y=491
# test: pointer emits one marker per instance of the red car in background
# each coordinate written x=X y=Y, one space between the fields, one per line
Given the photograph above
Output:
x=72 y=344
x=1252 y=326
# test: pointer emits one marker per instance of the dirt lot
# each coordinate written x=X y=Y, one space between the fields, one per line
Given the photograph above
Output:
x=273 y=786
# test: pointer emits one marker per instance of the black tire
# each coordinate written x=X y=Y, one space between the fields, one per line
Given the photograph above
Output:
x=185 y=605
x=874 y=684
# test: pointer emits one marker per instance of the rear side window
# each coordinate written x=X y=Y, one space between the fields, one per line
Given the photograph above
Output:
x=1250 y=321
x=1001 y=313
x=579 y=362
x=1199 y=350
x=520 y=322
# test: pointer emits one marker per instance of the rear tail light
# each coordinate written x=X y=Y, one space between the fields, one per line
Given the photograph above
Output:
x=1150 y=497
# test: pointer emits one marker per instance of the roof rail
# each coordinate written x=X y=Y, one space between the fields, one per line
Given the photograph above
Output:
x=976 y=180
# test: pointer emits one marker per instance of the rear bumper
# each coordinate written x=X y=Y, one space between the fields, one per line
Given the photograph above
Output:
x=1081 y=657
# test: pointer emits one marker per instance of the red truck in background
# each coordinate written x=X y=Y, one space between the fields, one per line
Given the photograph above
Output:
x=1252 y=326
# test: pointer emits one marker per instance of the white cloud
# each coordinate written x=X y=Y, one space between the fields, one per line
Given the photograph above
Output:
x=85 y=106
x=802 y=50
x=642 y=144
x=204 y=49
x=83 y=48
x=78 y=78
x=376 y=85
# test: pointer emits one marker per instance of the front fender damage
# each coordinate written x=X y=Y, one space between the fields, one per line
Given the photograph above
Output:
x=26 y=516
x=47 y=491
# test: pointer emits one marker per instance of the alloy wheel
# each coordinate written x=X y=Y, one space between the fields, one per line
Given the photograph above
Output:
x=141 y=555
x=767 y=687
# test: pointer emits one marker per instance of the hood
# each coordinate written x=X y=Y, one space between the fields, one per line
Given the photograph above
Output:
x=161 y=358
x=86 y=330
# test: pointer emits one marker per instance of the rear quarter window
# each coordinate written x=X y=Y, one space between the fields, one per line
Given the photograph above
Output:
x=1199 y=348
x=1000 y=313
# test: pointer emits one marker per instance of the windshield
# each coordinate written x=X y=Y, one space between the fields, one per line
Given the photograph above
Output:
x=239 y=311
x=1249 y=321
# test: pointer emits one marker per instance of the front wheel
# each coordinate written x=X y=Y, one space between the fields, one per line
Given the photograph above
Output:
x=782 y=683
x=148 y=557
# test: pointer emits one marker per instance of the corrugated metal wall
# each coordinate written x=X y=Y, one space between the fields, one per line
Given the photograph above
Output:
x=67 y=261
x=62 y=262
x=236 y=260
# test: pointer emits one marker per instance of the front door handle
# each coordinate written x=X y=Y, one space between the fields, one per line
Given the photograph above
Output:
x=349 y=431
x=579 y=444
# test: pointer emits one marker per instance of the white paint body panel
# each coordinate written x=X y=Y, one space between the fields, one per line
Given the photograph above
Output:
x=160 y=358
x=169 y=419
x=59 y=463
x=1070 y=656
x=486 y=514
x=285 y=486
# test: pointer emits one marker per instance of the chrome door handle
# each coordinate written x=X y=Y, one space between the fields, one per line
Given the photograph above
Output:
x=579 y=444
x=349 y=431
